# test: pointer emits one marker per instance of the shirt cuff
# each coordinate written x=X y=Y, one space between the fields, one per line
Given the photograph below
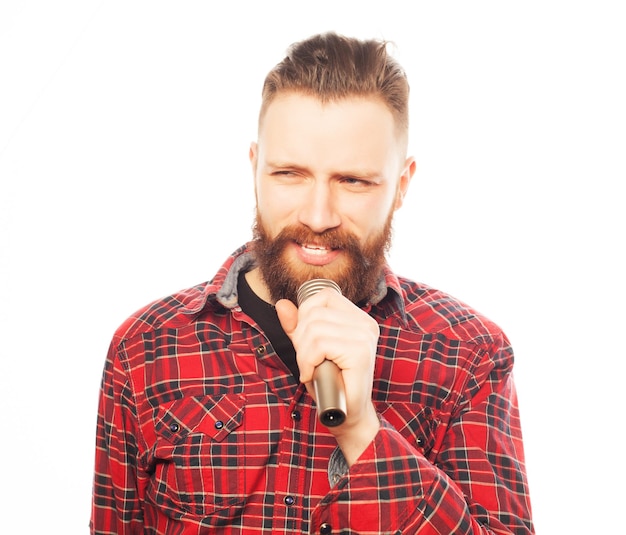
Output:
x=337 y=467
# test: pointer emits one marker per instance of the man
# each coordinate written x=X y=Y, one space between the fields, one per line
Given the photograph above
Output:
x=208 y=420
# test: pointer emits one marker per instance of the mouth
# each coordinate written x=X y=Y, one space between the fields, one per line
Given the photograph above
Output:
x=315 y=254
x=316 y=249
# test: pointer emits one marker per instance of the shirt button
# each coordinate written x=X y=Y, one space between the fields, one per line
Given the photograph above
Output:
x=296 y=415
x=260 y=350
x=174 y=428
x=289 y=500
x=326 y=529
x=219 y=424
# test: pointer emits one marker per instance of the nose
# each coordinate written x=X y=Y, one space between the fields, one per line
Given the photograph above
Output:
x=318 y=210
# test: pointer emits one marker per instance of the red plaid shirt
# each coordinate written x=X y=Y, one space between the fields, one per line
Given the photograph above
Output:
x=203 y=429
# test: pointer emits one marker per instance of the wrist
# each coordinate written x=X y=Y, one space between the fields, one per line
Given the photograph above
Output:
x=354 y=436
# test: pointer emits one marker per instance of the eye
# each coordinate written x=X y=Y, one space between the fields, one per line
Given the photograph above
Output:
x=356 y=183
x=287 y=176
x=284 y=172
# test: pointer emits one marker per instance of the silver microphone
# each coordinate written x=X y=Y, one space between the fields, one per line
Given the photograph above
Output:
x=327 y=380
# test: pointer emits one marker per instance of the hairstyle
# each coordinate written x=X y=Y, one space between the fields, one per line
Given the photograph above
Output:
x=331 y=67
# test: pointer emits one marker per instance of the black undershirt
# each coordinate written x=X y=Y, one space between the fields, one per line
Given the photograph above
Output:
x=265 y=315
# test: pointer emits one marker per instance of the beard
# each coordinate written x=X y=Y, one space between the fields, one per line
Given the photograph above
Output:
x=357 y=271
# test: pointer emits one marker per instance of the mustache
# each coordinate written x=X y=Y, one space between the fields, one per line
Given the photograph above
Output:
x=331 y=239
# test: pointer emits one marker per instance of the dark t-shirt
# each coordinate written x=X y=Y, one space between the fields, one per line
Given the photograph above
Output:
x=267 y=318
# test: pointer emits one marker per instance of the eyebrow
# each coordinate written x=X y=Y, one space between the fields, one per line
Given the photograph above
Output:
x=356 y=173
x=284 y=165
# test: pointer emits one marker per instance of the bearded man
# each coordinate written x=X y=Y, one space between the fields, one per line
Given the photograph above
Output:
x=208 y=419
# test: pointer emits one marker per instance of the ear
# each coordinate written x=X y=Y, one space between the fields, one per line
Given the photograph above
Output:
x=405 y=180
x=253 y=155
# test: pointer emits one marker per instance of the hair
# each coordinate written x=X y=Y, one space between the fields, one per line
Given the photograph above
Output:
x=331 y=67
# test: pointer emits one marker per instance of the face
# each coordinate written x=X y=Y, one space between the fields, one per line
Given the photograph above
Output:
x=328 y=178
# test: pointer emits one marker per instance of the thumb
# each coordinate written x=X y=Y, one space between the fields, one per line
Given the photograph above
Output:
x=287 y=315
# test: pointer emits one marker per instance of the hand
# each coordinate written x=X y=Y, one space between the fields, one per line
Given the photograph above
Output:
x=329 y=326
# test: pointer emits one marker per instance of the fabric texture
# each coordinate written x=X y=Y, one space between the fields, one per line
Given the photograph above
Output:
x=203 y=429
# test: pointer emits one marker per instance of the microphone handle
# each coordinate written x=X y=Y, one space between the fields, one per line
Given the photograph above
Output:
x=327 y=380
x=330 y=394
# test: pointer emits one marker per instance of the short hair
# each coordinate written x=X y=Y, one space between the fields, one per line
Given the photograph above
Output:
x=330 y=67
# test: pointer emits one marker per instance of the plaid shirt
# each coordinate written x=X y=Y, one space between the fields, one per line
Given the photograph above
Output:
x=203 y=429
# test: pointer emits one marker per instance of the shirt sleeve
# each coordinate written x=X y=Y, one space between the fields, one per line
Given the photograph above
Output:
x=116 y=504
x=475 y=483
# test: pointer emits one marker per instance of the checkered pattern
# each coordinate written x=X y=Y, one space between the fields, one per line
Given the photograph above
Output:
x=202 y=429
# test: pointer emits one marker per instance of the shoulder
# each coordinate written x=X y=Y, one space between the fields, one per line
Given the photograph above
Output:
x=173 y=311
x=182 y=308
x=434 y=311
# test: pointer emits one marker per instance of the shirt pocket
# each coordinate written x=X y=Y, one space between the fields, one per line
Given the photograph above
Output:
x=415 y=422
x=200 y=445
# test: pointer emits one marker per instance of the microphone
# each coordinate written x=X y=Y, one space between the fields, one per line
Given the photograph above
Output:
x=327 y=380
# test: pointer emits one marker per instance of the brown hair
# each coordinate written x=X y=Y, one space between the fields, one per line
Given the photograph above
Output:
x=331 y=67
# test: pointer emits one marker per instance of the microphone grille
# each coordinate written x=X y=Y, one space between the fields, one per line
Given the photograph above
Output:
x=311 y=287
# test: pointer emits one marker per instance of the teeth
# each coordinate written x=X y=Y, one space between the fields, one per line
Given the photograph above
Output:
x=315 y=248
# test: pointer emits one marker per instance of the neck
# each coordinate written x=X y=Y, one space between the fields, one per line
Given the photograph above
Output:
x=258 y=286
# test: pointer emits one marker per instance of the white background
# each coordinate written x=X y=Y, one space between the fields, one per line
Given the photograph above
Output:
x=124 y=134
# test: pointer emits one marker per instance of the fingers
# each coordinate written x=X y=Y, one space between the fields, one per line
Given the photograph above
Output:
x=327 y=298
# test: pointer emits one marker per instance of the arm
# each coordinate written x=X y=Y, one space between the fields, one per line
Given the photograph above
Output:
x=115 y=501
x=476 y=483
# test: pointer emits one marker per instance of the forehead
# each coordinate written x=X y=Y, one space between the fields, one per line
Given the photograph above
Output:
x=359 y=125
x=304 y=106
